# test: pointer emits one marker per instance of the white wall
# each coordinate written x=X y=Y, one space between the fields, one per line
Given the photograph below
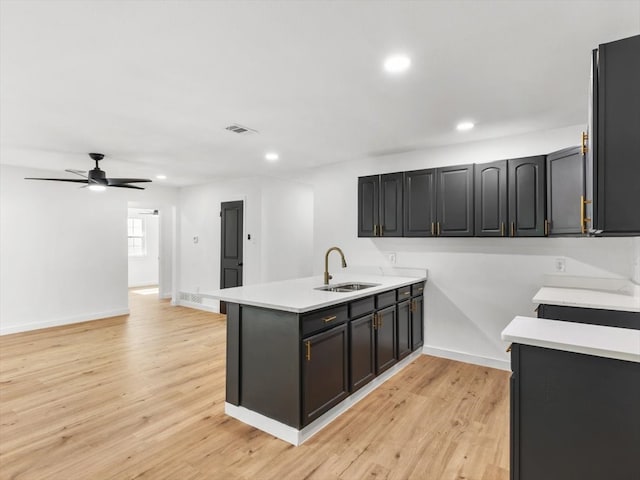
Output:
x=278 y=214
x=63 y=250
x=476 y=285
x=143 y=270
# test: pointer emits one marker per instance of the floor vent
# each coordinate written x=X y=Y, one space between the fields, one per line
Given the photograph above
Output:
x=240 y=130
x=190 y=297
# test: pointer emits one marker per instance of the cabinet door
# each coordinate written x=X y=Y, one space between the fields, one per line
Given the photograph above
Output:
x=417 y=322
x=404 y=329
x=385 y=334
x=491 y=199
x=565 y=191
x=617 y=141
x=324 y=372
x=368 y=204
x=391 y=205
x=527 y=197
x=454 y=204
x=420 y=203
x=361 y=341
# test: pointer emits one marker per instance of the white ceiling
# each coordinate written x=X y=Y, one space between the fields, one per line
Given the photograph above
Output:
x=154 y=84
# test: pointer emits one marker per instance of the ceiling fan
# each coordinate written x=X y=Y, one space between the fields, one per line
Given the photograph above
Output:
x=96 y=179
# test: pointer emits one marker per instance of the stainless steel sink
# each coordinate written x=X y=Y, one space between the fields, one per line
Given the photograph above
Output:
x=346 y=287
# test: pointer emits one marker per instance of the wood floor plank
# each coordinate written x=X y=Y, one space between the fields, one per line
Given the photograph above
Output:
x=142 y=396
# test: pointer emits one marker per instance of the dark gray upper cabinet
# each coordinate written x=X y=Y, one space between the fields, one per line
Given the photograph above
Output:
x=454 y=205
x=380 y=205
x=565 y=192
x=391 y=205
x=368 y=202
x=527 y=197
x=613 y=160
x=420 y=203
x=491 y=211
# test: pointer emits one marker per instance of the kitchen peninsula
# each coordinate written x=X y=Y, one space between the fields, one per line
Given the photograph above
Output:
x=300 y=353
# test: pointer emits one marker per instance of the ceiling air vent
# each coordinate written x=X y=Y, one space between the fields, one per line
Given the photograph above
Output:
x=240 y=130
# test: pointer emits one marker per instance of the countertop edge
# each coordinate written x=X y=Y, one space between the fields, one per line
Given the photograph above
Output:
x=566 y=297
x=549 y=334
x=339 y=298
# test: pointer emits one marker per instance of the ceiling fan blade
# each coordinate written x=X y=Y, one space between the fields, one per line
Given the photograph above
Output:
x=82 y=173
x=59 y=179
x=112 y=182
x=124 y=185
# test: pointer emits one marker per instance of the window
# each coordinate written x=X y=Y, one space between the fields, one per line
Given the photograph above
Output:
x=137 y=245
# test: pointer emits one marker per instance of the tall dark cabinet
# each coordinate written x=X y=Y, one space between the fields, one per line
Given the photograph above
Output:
x=380 y=211
x=491 y=213
x=527 y=197
x=566 y=192
x=613 y=160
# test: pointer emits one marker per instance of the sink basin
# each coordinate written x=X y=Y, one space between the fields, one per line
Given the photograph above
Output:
x=346 y=287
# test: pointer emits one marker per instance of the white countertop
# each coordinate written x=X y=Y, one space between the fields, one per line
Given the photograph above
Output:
x=587 y=298
x=598 y=340
x=300 y=295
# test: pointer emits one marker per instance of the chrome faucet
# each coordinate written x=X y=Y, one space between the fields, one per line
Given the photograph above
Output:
x=328 y=277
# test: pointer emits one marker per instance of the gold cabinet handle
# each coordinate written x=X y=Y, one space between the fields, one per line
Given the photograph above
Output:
x=328 y=319
x=502 y=229
x=412 y=306
x=381 y=230
x=420 y=289
x=406 y=293
x=513 y=229
x=546 y=227
x=583 y=214
x=438 y=228
x=433 y=227
x=509 y=348
x=583 y=143
x=308 y=344
x=375 y=230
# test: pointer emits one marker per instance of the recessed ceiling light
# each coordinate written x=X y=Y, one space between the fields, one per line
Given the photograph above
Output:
x=464 y=126
x=397 y=63
x=161 y=177
x=272 y=156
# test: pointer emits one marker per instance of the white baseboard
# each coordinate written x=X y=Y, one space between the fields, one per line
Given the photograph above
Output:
x=297 y=437
x=197 y=306
x=26 y=327
x=467 y=358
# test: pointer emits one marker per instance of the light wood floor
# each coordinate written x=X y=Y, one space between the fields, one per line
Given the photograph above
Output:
x=141 y=396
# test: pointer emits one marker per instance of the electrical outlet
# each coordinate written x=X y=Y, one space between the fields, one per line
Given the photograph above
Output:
x=195 y=239
x=561 y=265
x=391 y=257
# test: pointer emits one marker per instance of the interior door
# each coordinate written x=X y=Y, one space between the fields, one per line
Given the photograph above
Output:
x=231 y=214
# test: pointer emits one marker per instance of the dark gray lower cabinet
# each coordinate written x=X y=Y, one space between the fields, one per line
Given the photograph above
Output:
x=385 y=338
x=573 y=416
x=417 y=322
x=404 y=329
x=325 y=377
x=361 y=342
x=294 y=367
x=593 y=316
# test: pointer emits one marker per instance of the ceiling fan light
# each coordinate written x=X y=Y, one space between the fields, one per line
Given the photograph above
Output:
x=97 y=188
